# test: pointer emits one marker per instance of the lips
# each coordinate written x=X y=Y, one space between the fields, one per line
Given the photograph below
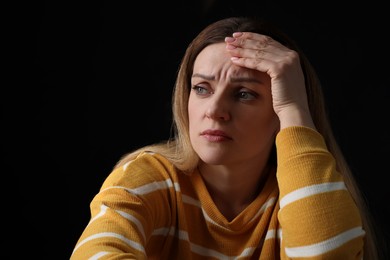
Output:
x=215 y=135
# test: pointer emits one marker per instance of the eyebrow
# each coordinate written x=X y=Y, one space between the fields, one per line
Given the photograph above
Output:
x=198 y=75
x=234 y=80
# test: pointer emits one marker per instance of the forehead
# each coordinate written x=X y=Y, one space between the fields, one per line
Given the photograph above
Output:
x=212 y=54
x=214 y=60
x=215 y=50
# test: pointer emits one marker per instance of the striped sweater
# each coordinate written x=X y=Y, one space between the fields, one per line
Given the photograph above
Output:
x=148 y=210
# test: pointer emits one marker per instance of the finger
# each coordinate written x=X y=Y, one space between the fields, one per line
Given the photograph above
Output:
x=252 y=41
x=249 y=40
x=263 y=65
x=265 y=60
x=263 y=53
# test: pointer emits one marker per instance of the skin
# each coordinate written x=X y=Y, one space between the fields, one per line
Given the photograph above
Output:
x=249 y=87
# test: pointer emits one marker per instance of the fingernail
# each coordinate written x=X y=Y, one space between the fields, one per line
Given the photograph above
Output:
x=229 y=39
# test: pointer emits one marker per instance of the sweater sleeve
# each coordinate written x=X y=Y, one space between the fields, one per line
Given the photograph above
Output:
x=127 y=209
x=318 y=217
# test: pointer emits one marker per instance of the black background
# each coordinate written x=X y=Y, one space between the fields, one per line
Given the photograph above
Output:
x=94 y=81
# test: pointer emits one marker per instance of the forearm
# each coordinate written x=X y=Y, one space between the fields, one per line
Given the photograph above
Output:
x=318 y=214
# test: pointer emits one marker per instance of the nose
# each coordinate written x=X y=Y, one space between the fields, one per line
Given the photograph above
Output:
x=218 y=108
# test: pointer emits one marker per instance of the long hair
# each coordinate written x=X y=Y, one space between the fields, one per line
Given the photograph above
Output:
x=178 y=149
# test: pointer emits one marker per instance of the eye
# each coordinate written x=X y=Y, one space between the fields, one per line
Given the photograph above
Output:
x=246 y=95
x=199 y=90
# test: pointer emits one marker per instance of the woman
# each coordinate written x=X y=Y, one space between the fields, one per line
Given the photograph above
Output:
x=252 y=172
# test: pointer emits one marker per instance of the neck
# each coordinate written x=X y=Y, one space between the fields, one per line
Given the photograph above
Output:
x=233 y=188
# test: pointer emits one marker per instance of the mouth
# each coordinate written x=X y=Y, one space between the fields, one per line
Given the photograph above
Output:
x=215 y=135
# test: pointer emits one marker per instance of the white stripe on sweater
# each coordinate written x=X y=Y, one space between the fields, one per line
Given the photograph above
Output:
x=129 y=242
x=325 y=246
x=147 y=188
x=309 y=191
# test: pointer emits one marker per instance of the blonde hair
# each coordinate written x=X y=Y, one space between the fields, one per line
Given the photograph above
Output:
x=178 y=148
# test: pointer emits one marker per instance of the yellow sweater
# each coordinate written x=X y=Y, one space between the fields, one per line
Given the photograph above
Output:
x=148 y=210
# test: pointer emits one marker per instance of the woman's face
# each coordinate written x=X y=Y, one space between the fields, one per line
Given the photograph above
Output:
x=231 y=118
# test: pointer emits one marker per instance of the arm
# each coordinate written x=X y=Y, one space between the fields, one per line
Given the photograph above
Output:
x=128 y=208
x=317 y=214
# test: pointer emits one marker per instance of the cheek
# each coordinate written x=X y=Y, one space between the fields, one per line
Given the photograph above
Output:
x=193 y=114
x=191 y=109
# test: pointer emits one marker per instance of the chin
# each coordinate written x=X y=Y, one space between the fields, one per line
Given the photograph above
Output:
x=214 y=159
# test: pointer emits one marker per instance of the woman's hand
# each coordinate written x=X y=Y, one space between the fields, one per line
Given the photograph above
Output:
x=262 y=53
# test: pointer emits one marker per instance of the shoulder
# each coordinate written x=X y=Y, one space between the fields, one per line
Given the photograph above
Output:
x=148 y=160
x=146 y=168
